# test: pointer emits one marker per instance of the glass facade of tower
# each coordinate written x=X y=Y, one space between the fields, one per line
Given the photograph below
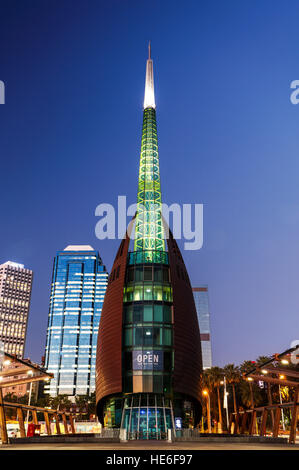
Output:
x=147 y=359
x=148 y=354
x=201 y=298
x=78 y=288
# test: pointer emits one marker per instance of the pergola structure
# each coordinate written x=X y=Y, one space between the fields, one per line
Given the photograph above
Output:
x=283 y=370
x=29 y=373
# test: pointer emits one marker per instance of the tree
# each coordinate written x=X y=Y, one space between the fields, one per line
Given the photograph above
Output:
x=92 y=404
x=86 y=404
x=260 y=361
x=233 y=377
x=43 y=401
x=251 y=394
x=249 y=391
x=247 y=366
x=60 y=402
x=10 y=412
x=215 y=376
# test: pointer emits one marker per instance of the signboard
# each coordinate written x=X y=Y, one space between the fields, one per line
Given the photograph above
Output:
x=178 y=423
x=147 y=360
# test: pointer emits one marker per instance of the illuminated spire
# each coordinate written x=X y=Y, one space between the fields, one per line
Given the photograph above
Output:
x=149 y=233
x=149 y=94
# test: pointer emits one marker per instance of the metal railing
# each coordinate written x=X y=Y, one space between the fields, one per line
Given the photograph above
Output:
x=254 y=420
x=48 y=413
x=112 y=433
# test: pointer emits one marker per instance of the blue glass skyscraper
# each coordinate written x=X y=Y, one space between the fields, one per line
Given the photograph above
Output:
x=78 y=288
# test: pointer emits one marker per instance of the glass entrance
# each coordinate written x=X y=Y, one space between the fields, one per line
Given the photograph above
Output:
x=147 y=422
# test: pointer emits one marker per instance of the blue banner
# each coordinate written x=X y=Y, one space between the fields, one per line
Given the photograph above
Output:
x=147 y=360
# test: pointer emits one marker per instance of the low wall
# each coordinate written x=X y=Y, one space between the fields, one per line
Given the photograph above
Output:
x=62 y=438
x=206 y=437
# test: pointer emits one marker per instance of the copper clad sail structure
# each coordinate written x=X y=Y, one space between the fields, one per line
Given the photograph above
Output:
x=187 y=345
x=109 y=349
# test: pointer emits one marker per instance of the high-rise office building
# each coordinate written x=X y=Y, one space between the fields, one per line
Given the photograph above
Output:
x=201 y=298
x=79 y=284
x=149 y=355
x=15 y=294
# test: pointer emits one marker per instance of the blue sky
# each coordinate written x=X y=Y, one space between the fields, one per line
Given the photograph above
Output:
x=228 y=138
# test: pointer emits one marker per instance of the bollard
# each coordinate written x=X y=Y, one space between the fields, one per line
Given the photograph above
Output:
x=123 y=435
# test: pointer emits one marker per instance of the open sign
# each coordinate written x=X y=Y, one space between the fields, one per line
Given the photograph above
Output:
x=147 y=360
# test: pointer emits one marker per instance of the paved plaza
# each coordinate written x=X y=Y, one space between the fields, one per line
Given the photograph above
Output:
x=151 y=445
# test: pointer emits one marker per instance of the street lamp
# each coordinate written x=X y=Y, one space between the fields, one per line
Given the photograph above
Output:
x=30 y=373
x=205 y=392
x=282 y=413
x=250 y=380
x=225 y=402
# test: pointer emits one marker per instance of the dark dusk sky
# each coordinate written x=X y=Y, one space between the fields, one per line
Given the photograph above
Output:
x=228 y=138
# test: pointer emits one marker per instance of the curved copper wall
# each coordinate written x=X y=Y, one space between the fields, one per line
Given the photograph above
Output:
x=187 y=345
x=109 y=347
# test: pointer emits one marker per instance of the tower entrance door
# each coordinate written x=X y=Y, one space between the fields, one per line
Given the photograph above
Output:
x=146 y=422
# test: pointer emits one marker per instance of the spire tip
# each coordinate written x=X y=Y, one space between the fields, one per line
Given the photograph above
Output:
x=149 y=94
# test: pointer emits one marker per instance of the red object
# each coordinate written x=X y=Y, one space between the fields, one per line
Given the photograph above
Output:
x=31 y=430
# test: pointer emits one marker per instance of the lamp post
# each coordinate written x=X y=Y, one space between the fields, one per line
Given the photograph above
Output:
x=207 y=395
x=225 y=401
x=29 y=399
x=282 y=413
x=250 y=380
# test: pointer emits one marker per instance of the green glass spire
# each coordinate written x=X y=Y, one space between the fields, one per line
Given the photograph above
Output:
x=149 y=234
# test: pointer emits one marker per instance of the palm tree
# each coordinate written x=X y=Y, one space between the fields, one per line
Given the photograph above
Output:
x=86 y=404
x=250 y=394
x=82 y=405
x=215 y=378
x=246 y=388
x=247 y=366
x=91 y=403
x=233 y=376
x=208 y=384
x=207 y=380
x=260 y=361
